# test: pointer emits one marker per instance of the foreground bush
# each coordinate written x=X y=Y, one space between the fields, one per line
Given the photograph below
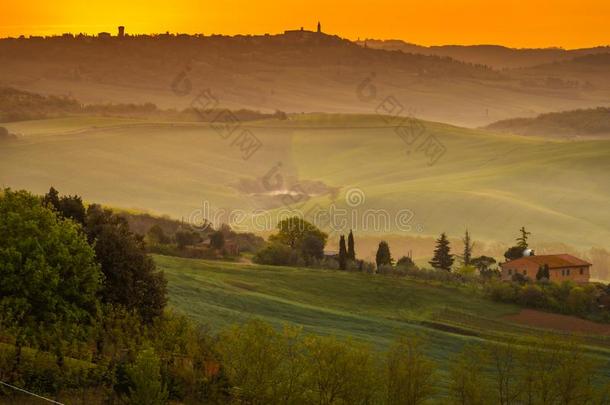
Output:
x=269 y=367
x=145 y=378
x=277 y=254
x=411 y=375
x=49 y=279
x=534 y=371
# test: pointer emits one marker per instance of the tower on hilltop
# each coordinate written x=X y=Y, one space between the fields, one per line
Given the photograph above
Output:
x=319 y=27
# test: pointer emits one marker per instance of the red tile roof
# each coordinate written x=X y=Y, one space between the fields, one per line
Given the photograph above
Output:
x=553 y=261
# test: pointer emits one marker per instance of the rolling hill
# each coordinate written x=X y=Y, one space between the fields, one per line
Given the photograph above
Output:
x=293 y=72
x=490 y=183
x=496 y=56
x=369 y=308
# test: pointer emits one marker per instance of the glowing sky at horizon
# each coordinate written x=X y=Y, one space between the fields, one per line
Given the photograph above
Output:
x=522 y=24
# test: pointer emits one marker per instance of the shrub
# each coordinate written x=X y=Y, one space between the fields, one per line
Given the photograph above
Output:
x=367 y=267
x=276 y=254
x=532 y=296
x=467 y=271
x=410 y=377
x=342 y=372
x=519 y=278
x=406 y=263
x=328 y=263
x=264 y=366
x=580 y=300
x=385 y=269
x=145 y=380
x=467 y=381
x=156 y=235
x=503 y=292
x=354 y=265
x=186 y=238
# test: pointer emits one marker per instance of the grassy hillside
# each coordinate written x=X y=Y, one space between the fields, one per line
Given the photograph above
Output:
x=373 y=309
x=491 y=184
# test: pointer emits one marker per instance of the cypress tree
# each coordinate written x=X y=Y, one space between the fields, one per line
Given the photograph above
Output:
x=468 y=245
x=383 y=255
x=342 y=253
x=443 y=259
x=351 y=252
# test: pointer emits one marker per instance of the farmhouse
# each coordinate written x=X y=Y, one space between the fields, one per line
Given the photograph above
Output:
x=561 y=267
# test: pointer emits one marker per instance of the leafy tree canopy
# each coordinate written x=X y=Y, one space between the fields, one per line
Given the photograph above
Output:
x=294 y=230
x=131 y=279
x=48 y=276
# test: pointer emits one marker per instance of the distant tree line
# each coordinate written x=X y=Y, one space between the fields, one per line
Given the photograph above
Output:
x=19 y=105
x=591 y=121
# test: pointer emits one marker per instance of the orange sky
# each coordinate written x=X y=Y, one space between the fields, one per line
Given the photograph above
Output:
x=532 y=23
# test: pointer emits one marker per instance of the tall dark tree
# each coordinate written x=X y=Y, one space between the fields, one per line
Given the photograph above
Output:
x=443 y=259
x=383 y=256
x=130 y=277
x=51 y=199
x=468 y=246
x=67 y=206
x=351 y=250
x=342 y=253
x=522 y=240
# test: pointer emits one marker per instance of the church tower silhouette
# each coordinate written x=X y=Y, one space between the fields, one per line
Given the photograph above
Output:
x=319 y=27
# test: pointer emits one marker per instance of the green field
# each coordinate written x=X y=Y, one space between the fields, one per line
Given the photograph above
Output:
x=489 y=183
x=373 y=309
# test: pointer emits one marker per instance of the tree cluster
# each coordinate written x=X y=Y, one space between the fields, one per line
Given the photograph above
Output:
x=297 y=242
x=130 y=277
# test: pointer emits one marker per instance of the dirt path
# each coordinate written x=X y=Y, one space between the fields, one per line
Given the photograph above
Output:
x=559 y=322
